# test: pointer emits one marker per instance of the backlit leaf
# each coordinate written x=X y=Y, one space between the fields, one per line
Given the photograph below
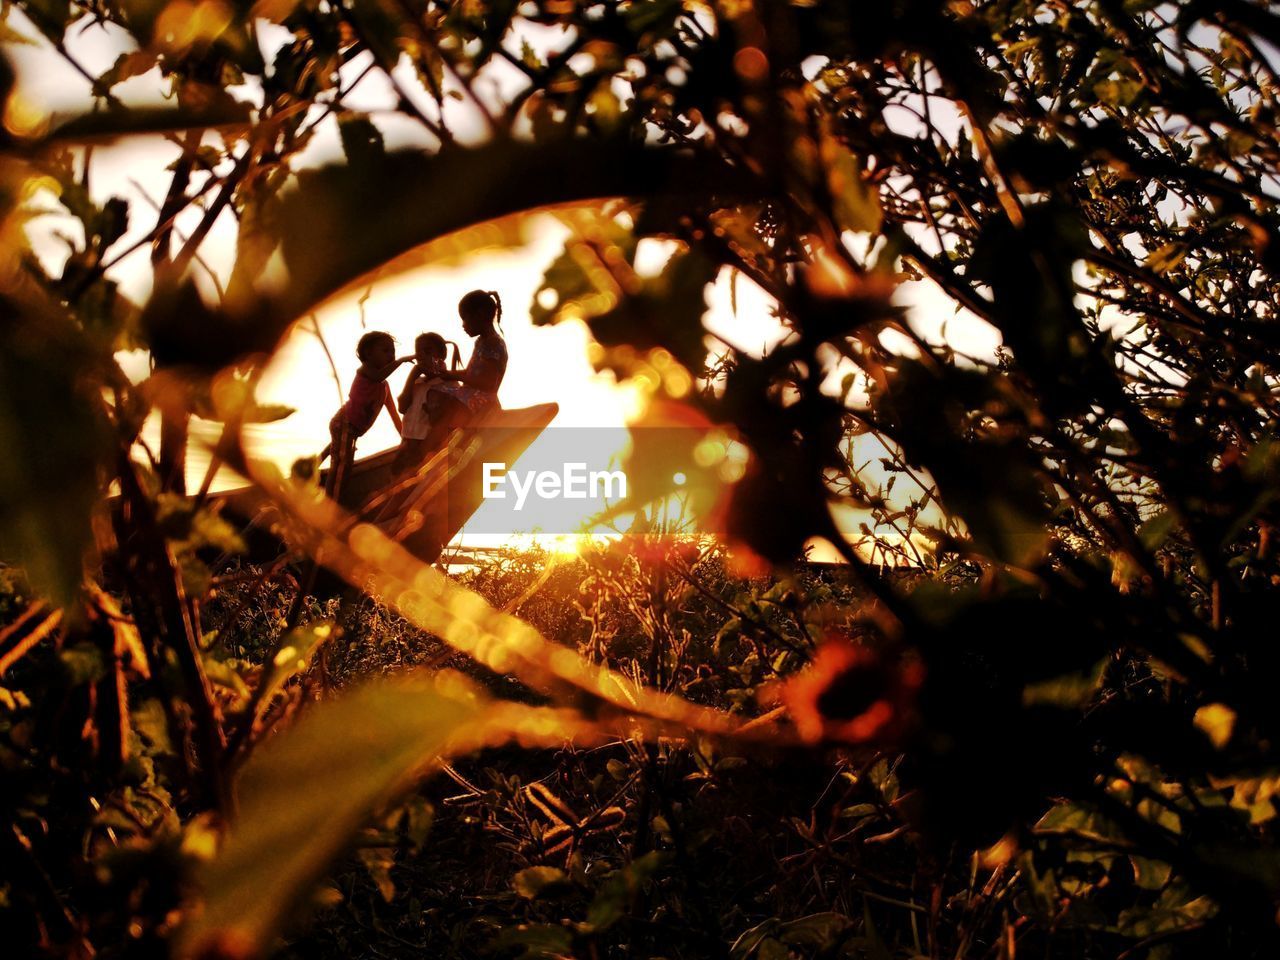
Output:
x=534 y=882
x=1217 y=721
x=305 y=793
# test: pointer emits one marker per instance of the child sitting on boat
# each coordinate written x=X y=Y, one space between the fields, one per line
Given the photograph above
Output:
x=473 y=391
x=418 y=401
x=369 y=394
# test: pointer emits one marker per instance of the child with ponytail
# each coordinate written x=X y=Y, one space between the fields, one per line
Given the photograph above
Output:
x=473 y=390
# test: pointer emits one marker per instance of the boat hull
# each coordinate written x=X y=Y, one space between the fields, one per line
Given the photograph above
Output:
x=423 y=510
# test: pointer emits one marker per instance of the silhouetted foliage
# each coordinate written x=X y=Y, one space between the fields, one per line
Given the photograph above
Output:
x=1032 y=710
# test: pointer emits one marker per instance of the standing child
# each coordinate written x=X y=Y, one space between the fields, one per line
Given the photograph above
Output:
x=416 y=401
x=369 y=394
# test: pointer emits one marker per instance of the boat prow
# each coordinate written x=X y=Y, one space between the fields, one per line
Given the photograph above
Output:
x=427 y=509
x=424 y=510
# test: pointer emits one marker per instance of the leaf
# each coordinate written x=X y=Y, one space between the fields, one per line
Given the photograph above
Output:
x=818 y=932
x=856 y=202
x=875 y=946
x=361 y=141
x=577 y=284
x=618 y=770
x=1149 y=874
x=56 y=446
x=258 y=237
x=1078 y=821
x=151 y=726
x=378 y=861
x=382 y=28
x=753 y=939
x=858 y=811
x=986 y=478
x=619 y=890
x=111 y=125
x=606 y=108
x=1217 y=721
x=127 y=66
x=226 y=679
x=666 y=311
x=1166 y=257
x=113 y=222
x=181 y=329
x=534 y=882
x=190 y=528
x=657 y=18
x=83 y=664
x=1029 y=270
x=1068 y=691
x=545 y=117
x=529 y=56
x=305 y=793
x=1174 y=910
x=268 y=413
x=230 y=399
x=535 y=941
x=1255 y=796
x=295 y=652
x=1118 y=91
x=1154 y=532
x=416 y=819
x=51 y=16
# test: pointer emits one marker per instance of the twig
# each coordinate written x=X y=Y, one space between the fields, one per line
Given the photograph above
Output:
x=38 y=633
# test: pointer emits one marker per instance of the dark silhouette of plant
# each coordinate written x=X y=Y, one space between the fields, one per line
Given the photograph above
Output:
x=1059 y=690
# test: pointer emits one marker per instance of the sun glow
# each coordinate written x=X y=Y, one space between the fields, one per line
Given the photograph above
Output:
x=315 y=363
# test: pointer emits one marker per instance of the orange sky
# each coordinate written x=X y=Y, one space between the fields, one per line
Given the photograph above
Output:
x=546 y=364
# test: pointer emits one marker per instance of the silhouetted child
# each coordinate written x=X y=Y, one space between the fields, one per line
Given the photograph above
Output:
x=369 y=394
x=473 y=391
x=416 y=401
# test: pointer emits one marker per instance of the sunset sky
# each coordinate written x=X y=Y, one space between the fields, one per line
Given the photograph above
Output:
x=546 y=364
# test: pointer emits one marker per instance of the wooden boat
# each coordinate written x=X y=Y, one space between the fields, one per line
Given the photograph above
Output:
x=425 y=509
